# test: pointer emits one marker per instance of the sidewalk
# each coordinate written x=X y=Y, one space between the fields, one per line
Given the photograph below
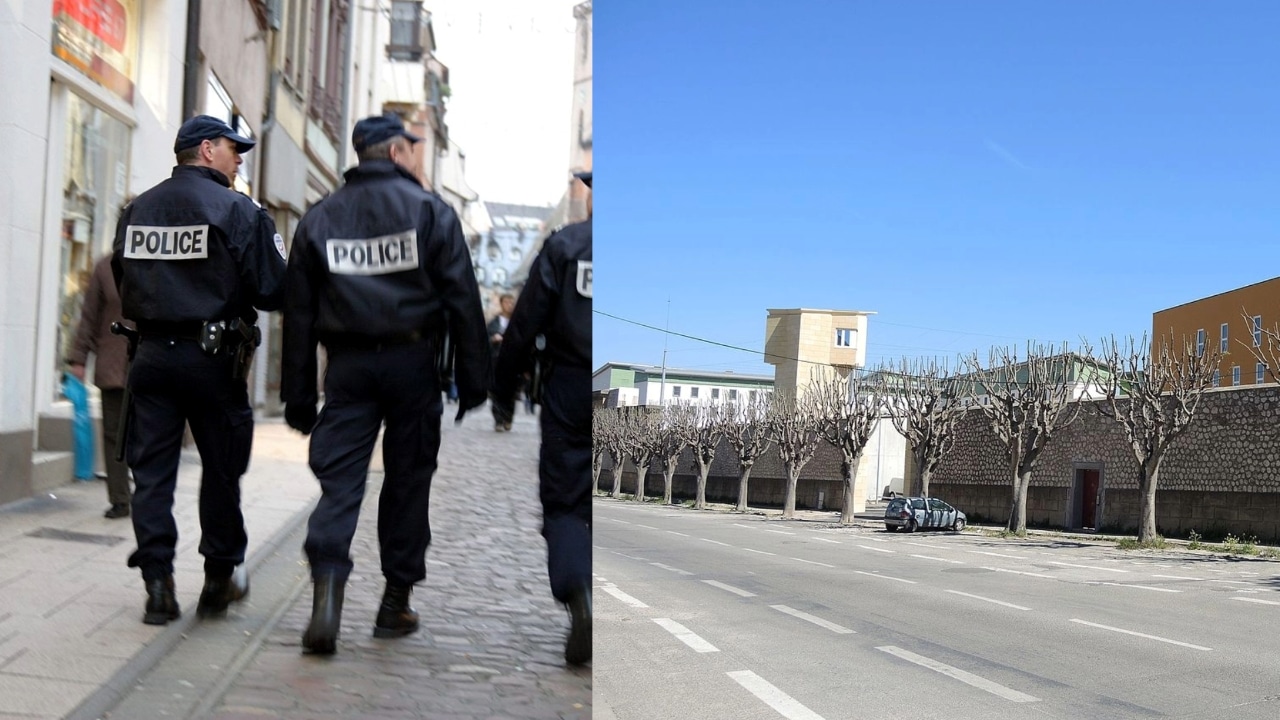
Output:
x=70 y=609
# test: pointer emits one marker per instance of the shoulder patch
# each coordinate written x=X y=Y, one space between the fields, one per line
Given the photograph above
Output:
x=584 y=278
x=279 y=245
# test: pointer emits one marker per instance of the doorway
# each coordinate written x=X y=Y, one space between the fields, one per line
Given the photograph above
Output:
x=1086 y=498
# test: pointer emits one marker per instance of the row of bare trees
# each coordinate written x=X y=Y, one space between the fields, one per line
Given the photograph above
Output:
x=1026 y=397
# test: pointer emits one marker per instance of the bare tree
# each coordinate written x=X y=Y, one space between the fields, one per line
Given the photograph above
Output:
x=747 y=431
x=1154 y=396
x=599 y=447
x=793 y=427
x=611 y=437
x=1026 y=401
x=702 y=434
x=848 y=410
x=641 y=436
x=924 y=406
x=671 y=442
x=1264 y=344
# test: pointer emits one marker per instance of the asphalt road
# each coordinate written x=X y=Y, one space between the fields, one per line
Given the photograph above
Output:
x=715 y=615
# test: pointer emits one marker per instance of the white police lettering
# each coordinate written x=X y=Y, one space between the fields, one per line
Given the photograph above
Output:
x=154 y=242
x=374 y=256
x=584 y=278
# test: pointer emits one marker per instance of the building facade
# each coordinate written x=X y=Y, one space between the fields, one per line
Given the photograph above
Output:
x=1230 y=322
x=654 y=385
x=799 y=341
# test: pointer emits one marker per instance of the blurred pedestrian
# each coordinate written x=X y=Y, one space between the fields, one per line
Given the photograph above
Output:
x=377 y=272
x=556 y=304
x=93 y=337
x=497 y=326
x=193 y=259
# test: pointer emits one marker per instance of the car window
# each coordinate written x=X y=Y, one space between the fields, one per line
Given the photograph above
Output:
x=938 y=505
x=917 y=503
x=896 y=505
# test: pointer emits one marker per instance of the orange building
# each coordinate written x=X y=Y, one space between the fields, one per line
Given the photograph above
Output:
x=1231 y=323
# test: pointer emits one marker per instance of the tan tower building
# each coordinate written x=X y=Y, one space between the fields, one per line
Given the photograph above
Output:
x=800 y=340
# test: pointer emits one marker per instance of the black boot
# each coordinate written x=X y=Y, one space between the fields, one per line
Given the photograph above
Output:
x=221 y=591
x=395 y=617
x=321 y=636
x=162 y=603
x=577 y=649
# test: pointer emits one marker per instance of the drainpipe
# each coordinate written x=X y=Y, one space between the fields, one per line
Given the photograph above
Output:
x=191 y=58
x=344 y=133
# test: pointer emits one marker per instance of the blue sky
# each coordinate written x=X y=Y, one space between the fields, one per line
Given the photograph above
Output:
x=975 y=172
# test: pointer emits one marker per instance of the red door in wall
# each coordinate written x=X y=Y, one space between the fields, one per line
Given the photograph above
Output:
x=1089 y=506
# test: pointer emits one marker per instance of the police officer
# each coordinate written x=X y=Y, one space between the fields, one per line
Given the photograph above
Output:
x=378 y=271
x=192 y=260
x=556 y=304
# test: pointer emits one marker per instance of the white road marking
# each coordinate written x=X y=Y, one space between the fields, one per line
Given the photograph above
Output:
x=715 y=541
x=1177 y=577
x=811 y=562
x=624 y=522
x=1087 y=567
x=629 y=557
x=730 y=588
x=749 y=527
x=1233 y=582
x=614 y=591
x=668 y=567
x=815 y=620
x=836 y=542
x=930 y=557
x=685 y=635
x=762 y=552
x=784 y=704
x=1138 y=634
x=876 y=539
x=673 y=532
x=868 y=547
x=1011 y=557
x=1020 y=572
x=964 y=677
x=1140 y=587
x=886 y=577
x=986 y=599
x=647 y=527
x=923 y=545
x=1256 y=600
x=780 y=532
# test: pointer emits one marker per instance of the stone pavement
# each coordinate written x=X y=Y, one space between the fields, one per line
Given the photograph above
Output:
x=492 y=638
x=72 y=644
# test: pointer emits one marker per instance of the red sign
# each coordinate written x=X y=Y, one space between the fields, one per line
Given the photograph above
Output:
x=106 y=19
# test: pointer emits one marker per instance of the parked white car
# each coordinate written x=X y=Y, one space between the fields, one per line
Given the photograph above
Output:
x=913 y=513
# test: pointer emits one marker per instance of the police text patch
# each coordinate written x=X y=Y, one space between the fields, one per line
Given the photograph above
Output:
x=153 y=242
x=374 y=256
x=584 y=278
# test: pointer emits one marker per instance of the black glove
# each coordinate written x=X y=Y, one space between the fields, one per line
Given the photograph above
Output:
x=300 y=416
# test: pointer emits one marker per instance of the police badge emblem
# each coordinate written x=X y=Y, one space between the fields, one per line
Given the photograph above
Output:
x=584 y=278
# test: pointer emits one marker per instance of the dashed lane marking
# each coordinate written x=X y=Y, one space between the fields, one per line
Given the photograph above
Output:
x=730 y=588
x=685 y=635
x=965 y=677
x=786 y=706
x=990 y=600
x=1141 y=635
x=839 y=629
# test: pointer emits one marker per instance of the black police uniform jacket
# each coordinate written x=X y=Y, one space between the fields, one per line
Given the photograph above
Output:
x=192 y=250
x=555 y=302
x=381 y=259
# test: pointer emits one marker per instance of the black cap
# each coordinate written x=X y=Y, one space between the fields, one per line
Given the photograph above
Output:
x=379 y=128
x=585 y=177
x=205 y=127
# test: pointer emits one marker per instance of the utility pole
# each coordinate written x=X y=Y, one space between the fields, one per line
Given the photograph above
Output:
x=662 y=390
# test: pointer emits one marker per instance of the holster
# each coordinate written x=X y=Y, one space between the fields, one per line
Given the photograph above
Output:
x=541 y=369
x=246 y=337
x=126 y=406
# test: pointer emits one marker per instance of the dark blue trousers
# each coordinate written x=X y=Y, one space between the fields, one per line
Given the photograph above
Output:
x=175 y=383
x=363 y=388
x=564 y=474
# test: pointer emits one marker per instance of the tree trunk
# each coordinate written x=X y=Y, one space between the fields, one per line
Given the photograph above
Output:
x=641 y=472
x=1148 y=477
x=668 y=476
x=847 y=468
x=793 y=475
x=700 y=502
x=742 y=487
x=1018 y=515
x=925 y=476
x=597 y=462
x=617 y=478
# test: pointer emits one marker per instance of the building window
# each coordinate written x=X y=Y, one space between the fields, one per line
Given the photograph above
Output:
x=1259 y=373
x=845 y=337
x=751 y=396
x=1257 y=331
x=715 y=393
x=1217 y=378
x=675 y=391
x=406 y=38
x=1199 y=342
x=1235 y=374
x=693 y=392
x=733 y=395
x=1222 y=344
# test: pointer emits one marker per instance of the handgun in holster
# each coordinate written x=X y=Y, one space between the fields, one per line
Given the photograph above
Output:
x=445 y=352
x=126 y=405
x=541 y=368
x=247 y=337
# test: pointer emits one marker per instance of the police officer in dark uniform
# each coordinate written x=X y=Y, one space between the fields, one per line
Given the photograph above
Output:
x=378 y=272
x=192 y=260
x=556 y=305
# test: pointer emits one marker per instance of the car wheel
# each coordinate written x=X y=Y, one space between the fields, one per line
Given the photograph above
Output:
x=890 y=528
x=959 y=525
x=911 y=526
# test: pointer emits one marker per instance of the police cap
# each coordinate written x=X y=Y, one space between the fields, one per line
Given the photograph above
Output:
x=585 y=177
x=379 y=128
x=205 y=127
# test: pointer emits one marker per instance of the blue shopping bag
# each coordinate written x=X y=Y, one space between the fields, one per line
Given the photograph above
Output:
x=81 y=425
